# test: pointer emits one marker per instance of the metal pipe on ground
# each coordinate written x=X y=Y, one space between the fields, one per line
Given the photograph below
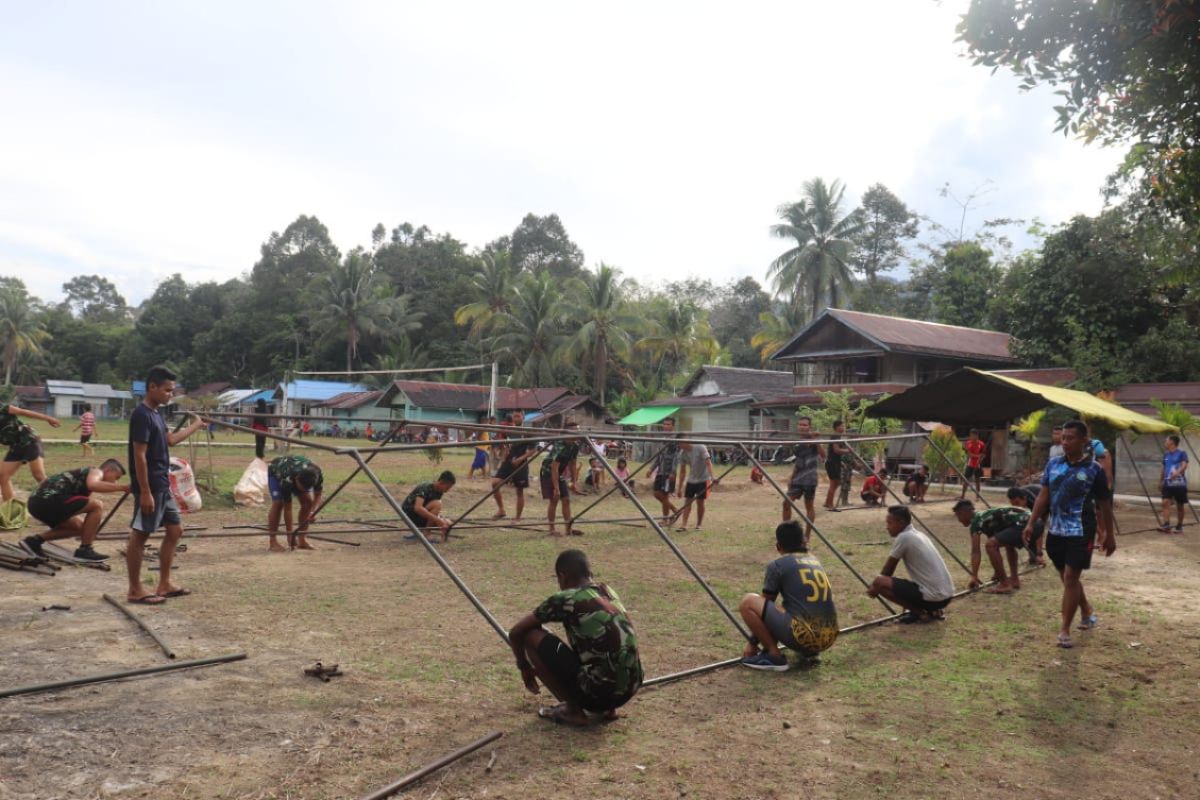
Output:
x=333 y=541
x=158 y=640
x=115 y=676
x=449 y=758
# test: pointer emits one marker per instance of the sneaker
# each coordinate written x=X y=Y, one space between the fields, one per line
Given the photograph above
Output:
x=1178 y=529
x=85 y=553
x=766 y=661
x=33 y=546
x=910 y=617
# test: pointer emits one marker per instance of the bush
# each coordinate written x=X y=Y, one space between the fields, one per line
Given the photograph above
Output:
x=938 y=465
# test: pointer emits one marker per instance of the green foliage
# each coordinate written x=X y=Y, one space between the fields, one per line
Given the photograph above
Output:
x=887 y=225
x=541 y=244
x=842 y=406
x=21 y=329
x=1026 y=429
x=1177 y=415
x=963 y=280
x=939 y=465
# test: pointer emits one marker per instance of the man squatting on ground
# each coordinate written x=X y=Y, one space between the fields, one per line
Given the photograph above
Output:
x=1174 y=484
x=806 y=459
x=561 y=462
x=64 y=502
x=1003 y=526
x=424 y=505
x=150 y=468
x=288 y=477
x=1069 y=482
x=597 y=670
x=931 y=587
x=24 y=446
x=515 y=463
x=662 y=473
x=695 y=480
x=808 y=622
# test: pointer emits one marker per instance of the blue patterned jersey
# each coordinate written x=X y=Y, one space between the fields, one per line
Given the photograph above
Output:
x=1069 y=485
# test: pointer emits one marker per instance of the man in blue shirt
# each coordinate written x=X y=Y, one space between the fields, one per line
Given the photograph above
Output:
x=1067 y=485
x=1174 y=484
x=149 y=472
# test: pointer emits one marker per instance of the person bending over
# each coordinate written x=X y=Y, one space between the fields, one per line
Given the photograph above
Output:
x=424 y=505
x=873 y=489
x=808 y=621
x=1174 y=484
x=288 y=477
x=64 y=502
x=1002 y=526
x=930 y=587
x=24 y=446
x=598 y=669
x=556 y=477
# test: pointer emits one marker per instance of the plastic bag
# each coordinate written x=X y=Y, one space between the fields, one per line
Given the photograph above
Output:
x=183 y=486
x=251 y=488
x=13 y=515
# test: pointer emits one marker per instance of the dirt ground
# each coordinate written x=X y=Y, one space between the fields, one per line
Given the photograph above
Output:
x=982 y=703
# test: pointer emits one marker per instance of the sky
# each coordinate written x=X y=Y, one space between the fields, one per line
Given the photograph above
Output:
x=142 y=139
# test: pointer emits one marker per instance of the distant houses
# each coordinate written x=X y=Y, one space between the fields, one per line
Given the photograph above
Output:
x=66 y=399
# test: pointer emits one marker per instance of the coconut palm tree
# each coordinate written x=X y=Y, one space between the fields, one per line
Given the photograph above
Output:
x=531 y=333
x=492 y=287
x=605 y=323
x=1175 y=414
x=355 y=304
x=818 y=265
x=21 y=331
x=680 y=333
x=777 y=327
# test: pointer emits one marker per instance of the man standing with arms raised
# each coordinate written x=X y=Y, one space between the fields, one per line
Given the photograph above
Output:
x=149 y=465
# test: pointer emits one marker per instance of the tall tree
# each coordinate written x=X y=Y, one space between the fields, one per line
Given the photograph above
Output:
x=21 y=330
x=679 y=333
x=734 y=316
x=531 y=334
x=605 y=323
x=94 y=297
x=818 y=265
x=492 y=290
x=541 y=244
x=887 y=225
x=776 y=327
x=964 y=280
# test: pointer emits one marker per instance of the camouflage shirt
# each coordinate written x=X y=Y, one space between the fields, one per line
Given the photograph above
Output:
x=600 y=632
x=564 y=453
x=14 y=432
x=63 y=486
x=426 y=492
x=997 y=519
x=286 y=468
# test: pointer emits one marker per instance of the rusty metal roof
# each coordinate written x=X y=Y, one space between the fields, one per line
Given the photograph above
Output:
x=347 y=401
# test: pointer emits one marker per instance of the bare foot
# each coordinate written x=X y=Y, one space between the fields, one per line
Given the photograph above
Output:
x=554 y=533
x=145 y=597
x=1015 y=583
x=1000 y=588
x=276 y=547
x=303 y=545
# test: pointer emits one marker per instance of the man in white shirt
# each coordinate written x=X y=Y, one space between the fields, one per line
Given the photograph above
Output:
x=930 y=589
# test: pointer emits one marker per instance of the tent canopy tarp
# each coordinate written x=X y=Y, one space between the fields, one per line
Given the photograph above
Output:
x=970 y=396
x=648 y=415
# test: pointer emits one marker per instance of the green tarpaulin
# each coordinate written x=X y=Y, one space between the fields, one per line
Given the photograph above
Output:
x=648 y=415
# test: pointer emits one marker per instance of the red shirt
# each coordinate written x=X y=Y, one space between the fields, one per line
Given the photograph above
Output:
x=872 y=484
x=975 y=449
x=87 y=423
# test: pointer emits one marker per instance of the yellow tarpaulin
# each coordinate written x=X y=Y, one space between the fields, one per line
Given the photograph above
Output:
x=1088 y=405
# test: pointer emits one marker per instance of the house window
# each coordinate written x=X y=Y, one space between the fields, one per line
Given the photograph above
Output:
x=77 y=407
x=859 y=370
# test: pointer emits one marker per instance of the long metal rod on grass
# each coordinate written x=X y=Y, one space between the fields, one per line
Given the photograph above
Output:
x=114 y=676
x=800 y=513
x=158 y=640
x=445 y=760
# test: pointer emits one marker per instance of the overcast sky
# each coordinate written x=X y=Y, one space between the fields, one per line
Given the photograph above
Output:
x=143 y=138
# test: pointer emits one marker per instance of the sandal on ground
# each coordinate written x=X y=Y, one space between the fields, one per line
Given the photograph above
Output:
x=147 y=600
x=557 y=715
x=1065 y=642
x=177 y=593
x=1087 y=623
x=499 y=515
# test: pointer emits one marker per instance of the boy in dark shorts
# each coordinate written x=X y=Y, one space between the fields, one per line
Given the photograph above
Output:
x=662 y=473
x=930 y=589
x=557 y=474
x=808 y=621
x=424 y=505
x=514 y=465
x=917 y=484
x=975 y=448
x=1002 y=526
x=24 y=446
x=1024 y=497
x=1174 y=484
x=64 y=502
x=86 y=428
x=1068 y=483
x=695 y=480
x=835 y=465
x=288 y=477
x=806 y=460
x=149 y=472
x=598 y=669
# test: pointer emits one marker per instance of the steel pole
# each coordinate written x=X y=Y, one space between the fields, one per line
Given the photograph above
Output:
x=110 y=514
x=413 y=777
x=141 y=624
x=1137 y=471
x=114 y=676
x=492 y=491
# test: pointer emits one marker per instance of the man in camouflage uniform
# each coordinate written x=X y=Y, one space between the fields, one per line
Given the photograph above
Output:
x=597 y=670
x=558 y=474
x=424 y=505
x=64 y=502
x=1002 y=526
x=24 y=446
x=289 y=476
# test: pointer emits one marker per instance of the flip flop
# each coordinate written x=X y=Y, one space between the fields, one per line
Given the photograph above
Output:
x=178 y=593
x=1065 y=642
x=1087 y=623
x=147 y=600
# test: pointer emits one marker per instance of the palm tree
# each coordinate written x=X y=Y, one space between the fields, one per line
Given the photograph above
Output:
x=492 y=285
x=1175 y=414
x=530 y=333
x=403 y=355
x=355 y=304
x=776 y=328
x=680 y=333
x=818 y=266
x=606 y=323
x=21 y=331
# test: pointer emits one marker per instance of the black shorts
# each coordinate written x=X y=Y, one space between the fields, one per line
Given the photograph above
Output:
x=25 y=453
x=973 y=472
x=54 y=512
x=1010 y=537
x=564 y=489
x=696 y=491
x=84 y=438
x=664 y=483
x=797 y=490
x=521 y=481
x=1069 y=551
x=833 y=470
x=870 y=498
x=909 y=596
x=1176 y=493
x=561 y=660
